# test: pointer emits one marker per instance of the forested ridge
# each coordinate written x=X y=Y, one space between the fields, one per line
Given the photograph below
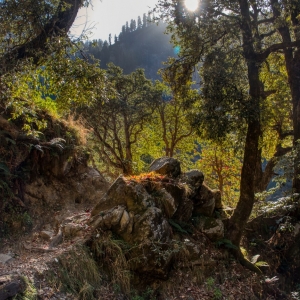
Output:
x=142 y=45
x=189 y=164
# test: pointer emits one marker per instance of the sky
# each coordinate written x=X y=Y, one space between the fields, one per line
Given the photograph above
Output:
x=108 y=16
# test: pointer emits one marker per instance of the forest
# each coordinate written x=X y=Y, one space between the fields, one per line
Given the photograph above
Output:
x=220 y=95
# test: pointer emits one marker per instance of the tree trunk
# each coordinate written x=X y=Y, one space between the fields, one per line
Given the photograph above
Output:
x=263 y=178
x=245 y=204
x=244 y=207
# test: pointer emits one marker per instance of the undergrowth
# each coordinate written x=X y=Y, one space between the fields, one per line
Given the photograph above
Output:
x=76 y=272
x=30 y=292
x=109 y=253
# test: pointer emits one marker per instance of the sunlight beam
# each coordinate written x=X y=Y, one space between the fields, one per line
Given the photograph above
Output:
x=191 y=5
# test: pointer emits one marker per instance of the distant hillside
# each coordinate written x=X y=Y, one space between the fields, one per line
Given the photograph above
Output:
x=143 y=47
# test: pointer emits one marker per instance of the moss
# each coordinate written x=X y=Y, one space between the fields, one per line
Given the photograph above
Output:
x=30 y=292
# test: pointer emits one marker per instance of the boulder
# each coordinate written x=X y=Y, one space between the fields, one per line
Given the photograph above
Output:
x=212 y=228
x=10 y=286
x=46 y=235
x=124 y=192
x=194 y=178
x=166 y=166
x=5 y=258
x=138 y=212
x=204 y=201
x=166 y=202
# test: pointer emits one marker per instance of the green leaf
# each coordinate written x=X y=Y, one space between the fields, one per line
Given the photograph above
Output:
x=261 y=264
x=4 y=167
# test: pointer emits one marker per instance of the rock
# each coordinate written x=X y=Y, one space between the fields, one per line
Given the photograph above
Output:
x=5 y=258
x=46 y=235
x=212 y=228
x=166 y=166
x=191 y=250
x=10 y=286
x=184 y=204
x=166 y=202
x=127 y=193
x=48 y=197
x=204 y=201
x=71 y=230
x=184 y=211
x=151 y=226
x=194 y=178
x=124 y=221
x=58 y=239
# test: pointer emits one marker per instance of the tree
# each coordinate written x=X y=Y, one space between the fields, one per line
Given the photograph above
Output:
x=144 y=20
x=31 y=30
x=118 y=121
x=277 y=132
x=286 y=19
x=221 y=164
x=244 y=25
x=132 y=25
x=172 y=112
x=139 y=23
x=38 y=36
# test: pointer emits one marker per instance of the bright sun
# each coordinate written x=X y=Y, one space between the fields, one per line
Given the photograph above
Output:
x=191 y=4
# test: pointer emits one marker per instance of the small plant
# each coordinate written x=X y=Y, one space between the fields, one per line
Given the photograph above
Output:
x=211 y=286
x=30 y=292
x=226 y=243
x=146 y=176
x=180 y=227
x=146 y=295
x=217 y=293
x=210 y=282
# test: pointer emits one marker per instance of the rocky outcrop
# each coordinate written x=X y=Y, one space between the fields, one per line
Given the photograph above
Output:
x=49 y=199
x=213 y=228
x=46 y=177
x=166 y=166
x=142 y=211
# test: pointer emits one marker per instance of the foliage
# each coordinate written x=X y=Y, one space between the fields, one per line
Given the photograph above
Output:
x=169 y=133
x=110 y=254
x=30 y=292
x=56 y=88
x=117 y=124
x=232 y=41
x=221 y=163
x=211 y=286
x=226 y=243
x=76 y=272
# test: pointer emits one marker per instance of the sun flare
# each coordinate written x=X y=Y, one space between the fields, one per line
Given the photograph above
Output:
x=191 y=5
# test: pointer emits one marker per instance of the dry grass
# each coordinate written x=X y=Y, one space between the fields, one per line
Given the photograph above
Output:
x=77 y=272
x=111 y=257
x=77 y=126
x=151 y=176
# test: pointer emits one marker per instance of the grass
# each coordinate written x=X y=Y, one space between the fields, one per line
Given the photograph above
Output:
x=77 y=272
x=109 y=253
